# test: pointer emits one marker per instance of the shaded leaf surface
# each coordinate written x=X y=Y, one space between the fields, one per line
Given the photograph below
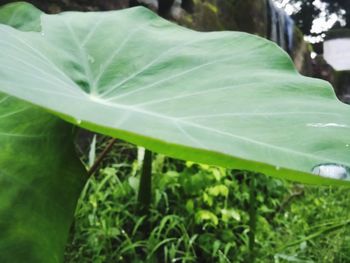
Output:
x=40 y=182
x=224 y=98
x=40 y=177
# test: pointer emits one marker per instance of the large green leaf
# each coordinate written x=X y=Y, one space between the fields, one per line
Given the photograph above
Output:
x=40 y=178
x=224 y=98
x=40 y=182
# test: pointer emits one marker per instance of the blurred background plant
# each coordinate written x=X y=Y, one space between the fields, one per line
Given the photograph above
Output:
x=200 y=213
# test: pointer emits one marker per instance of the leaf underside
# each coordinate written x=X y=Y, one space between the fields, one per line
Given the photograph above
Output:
x=40 y=180
x=222 y=98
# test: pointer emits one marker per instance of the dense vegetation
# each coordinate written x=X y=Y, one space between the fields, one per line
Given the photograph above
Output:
x=199 y=213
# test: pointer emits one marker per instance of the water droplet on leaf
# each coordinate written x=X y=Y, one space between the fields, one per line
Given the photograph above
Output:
x=331 y=170
x=78 y=122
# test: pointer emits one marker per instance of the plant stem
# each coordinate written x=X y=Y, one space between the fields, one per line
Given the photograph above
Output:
x=252 y=218
x=100 y=158
x=145 y=188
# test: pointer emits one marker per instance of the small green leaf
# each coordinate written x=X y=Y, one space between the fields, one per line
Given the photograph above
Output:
x=208 y=199
x=190 y=206
x=218 y=190
x=228 y=214
x=205 y=215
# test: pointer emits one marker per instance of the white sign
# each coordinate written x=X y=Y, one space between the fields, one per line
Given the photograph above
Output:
x=337 y=53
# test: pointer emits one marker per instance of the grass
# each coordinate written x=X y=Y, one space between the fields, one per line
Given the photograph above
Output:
x=199 y=213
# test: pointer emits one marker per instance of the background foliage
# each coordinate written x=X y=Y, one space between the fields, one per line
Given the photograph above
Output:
x=200 y=214
x=306 y=11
